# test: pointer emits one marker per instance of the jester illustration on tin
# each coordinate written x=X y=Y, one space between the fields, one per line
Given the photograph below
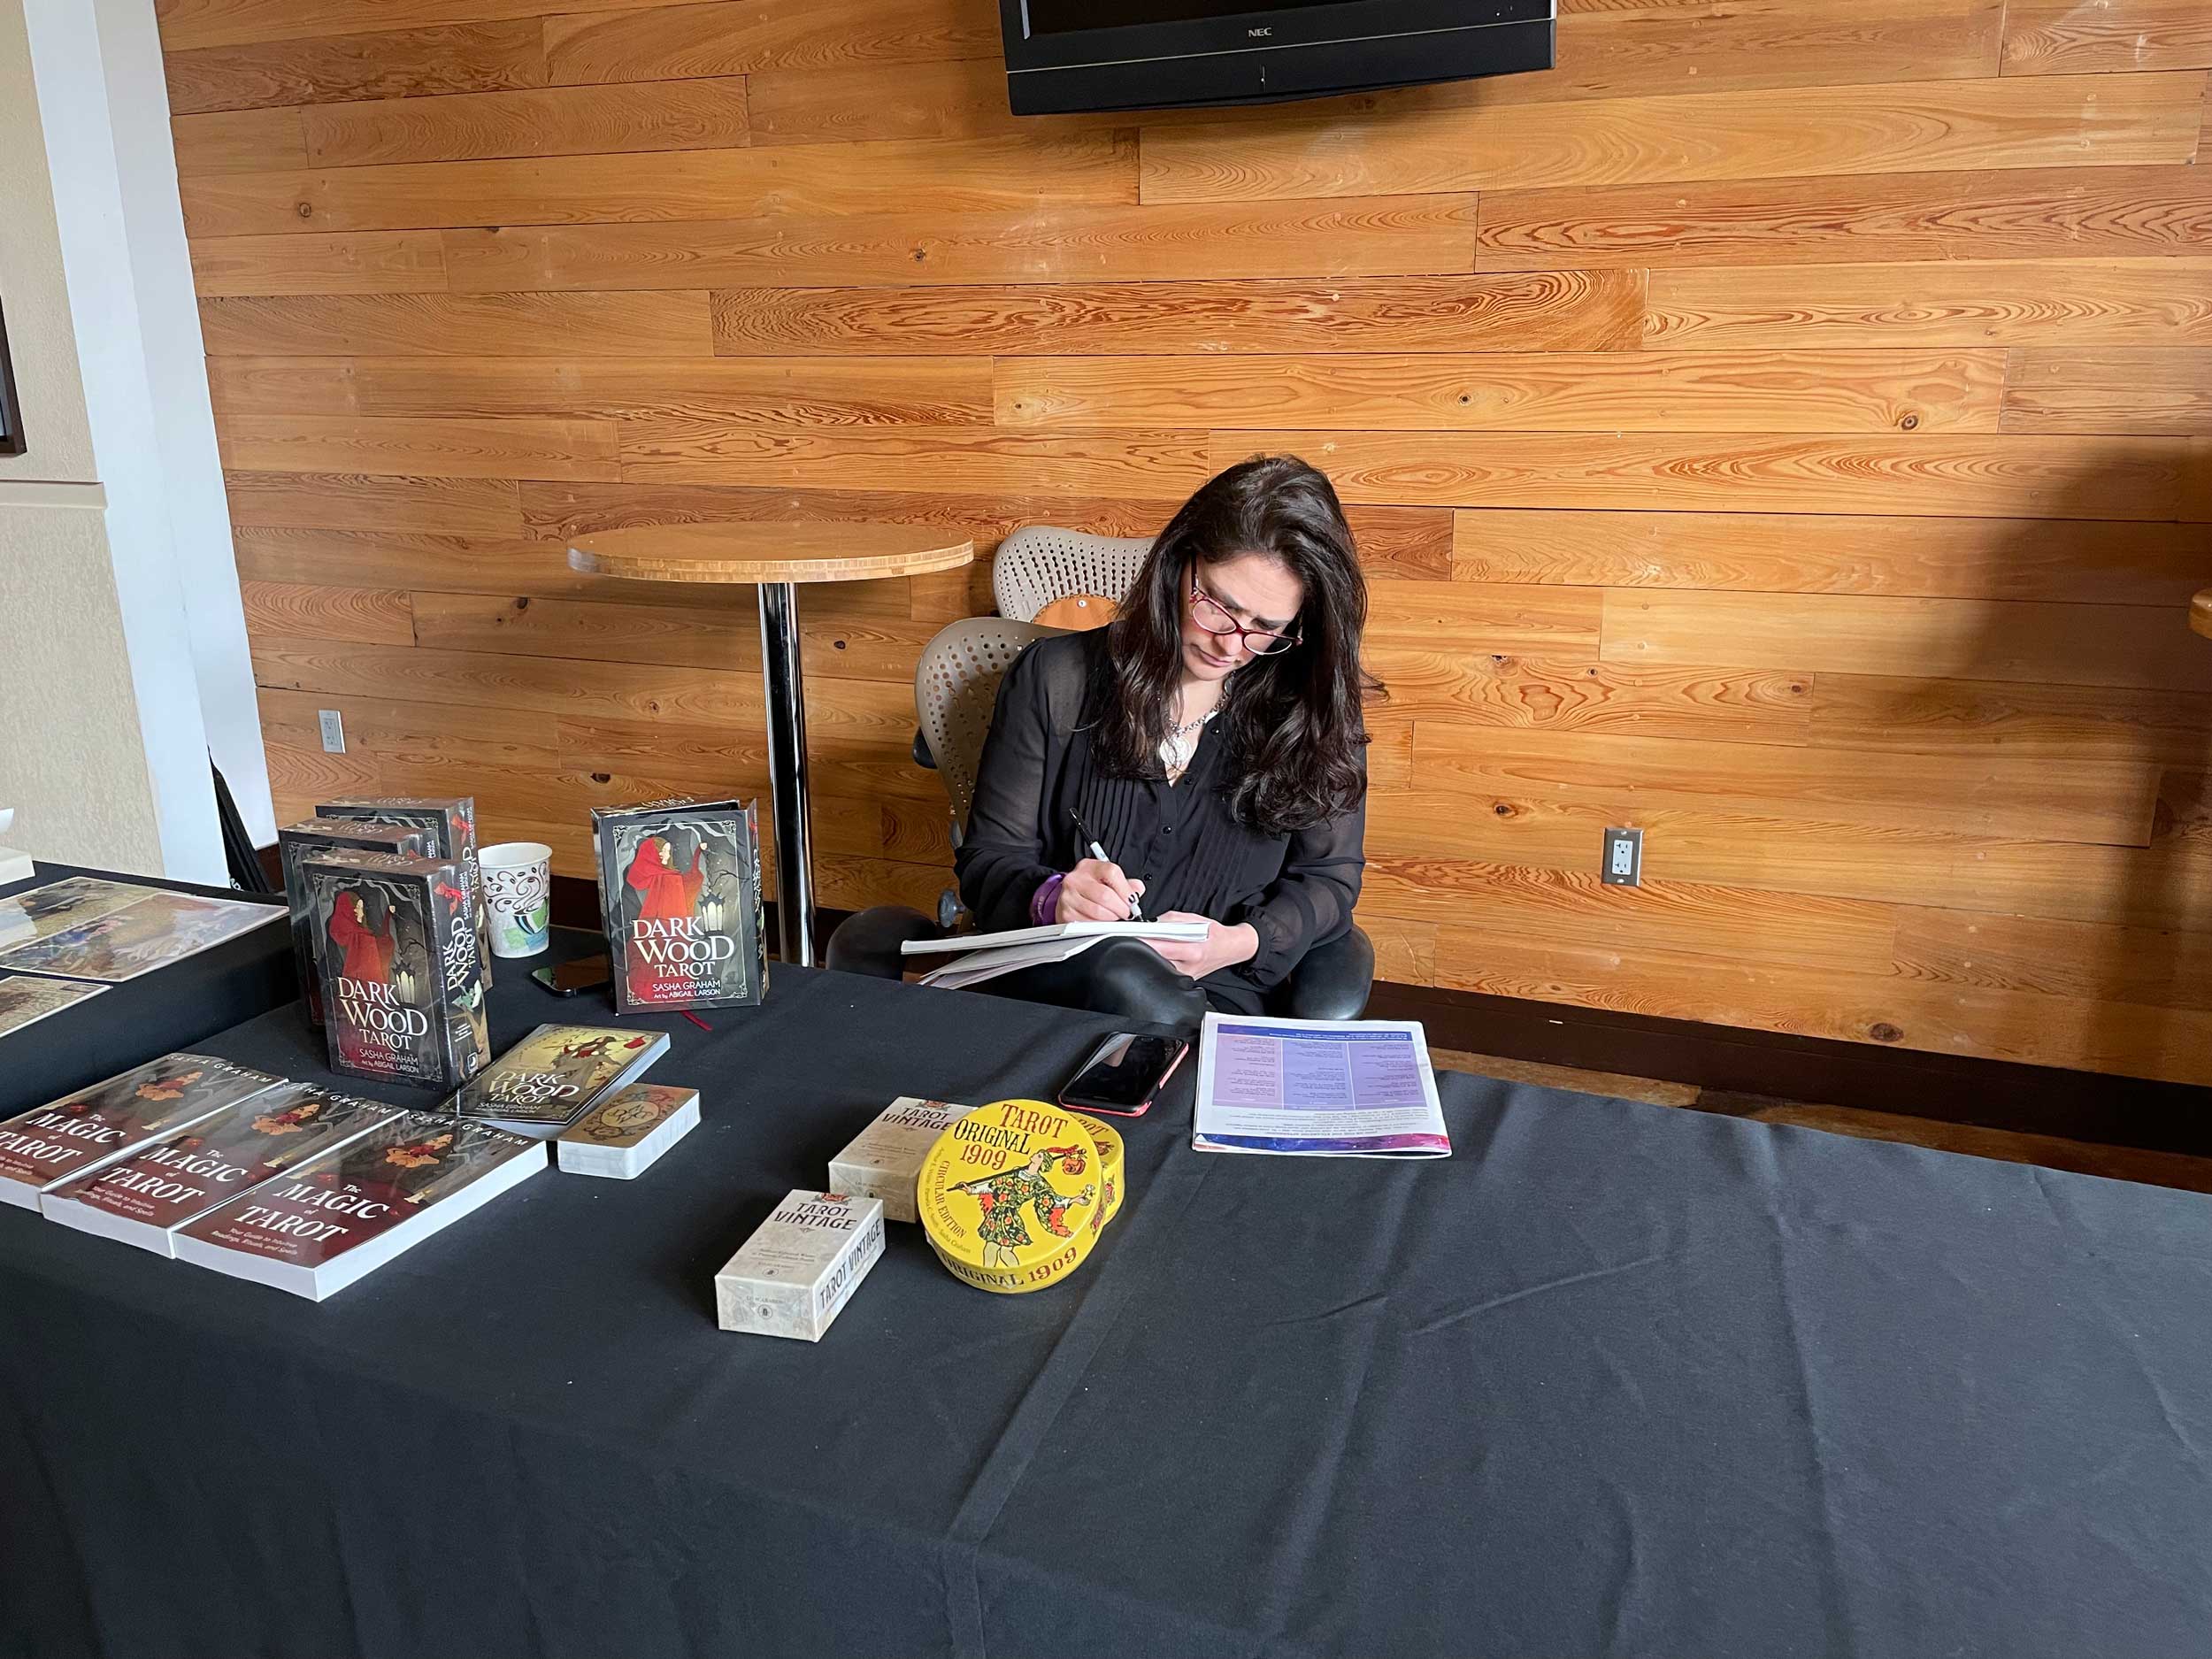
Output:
x=1003 y=1196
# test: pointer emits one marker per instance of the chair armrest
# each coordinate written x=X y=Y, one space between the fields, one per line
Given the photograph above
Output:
x=868 y=940
x=1330 y=982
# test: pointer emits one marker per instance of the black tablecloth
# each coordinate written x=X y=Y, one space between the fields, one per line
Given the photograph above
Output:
x=1614 y=1379
x=156 y=1013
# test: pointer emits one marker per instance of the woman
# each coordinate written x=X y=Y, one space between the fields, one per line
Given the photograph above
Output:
x=1210 y=740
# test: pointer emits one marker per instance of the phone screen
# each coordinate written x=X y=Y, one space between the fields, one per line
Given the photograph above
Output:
x=1124 y=1073
x=580 y=974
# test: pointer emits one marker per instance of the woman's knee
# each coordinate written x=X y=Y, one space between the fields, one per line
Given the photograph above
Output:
x=1131 y=979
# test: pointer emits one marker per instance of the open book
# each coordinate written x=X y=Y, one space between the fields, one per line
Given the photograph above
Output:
x=981 y=957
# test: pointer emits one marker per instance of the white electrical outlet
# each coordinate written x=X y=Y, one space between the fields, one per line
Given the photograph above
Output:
x=334 y=731
x=1622 y=864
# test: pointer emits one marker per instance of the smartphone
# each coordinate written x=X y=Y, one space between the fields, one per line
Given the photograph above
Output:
x=1124 y=1074
x=567 y=977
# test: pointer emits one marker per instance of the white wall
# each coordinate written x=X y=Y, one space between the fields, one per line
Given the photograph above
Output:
x=96 y=287
x=176 y=373
x=71 y=752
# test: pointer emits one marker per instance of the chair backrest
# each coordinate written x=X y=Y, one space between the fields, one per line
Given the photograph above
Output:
x=956 y=685
x=1040 y=563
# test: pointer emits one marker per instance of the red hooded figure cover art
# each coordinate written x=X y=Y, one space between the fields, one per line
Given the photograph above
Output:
x=680 y=884
x=317 y=838
x=402 y=997
x=448 y=824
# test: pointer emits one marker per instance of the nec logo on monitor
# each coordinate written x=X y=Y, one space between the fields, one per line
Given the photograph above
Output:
x=1070 y=55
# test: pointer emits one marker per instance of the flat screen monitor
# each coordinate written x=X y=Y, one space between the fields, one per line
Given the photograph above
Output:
x=1070 y=55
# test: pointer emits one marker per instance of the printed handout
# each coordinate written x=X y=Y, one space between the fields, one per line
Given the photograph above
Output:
x=1318 y=1088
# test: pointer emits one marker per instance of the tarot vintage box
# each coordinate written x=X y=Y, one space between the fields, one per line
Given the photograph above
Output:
x=310 y=836
x=884 y=1159
x=402 y=974
x=451 y=821
x=680 y=890
x=801 y=1266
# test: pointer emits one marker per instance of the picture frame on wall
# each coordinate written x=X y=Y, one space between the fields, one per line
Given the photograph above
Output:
x=11 y=411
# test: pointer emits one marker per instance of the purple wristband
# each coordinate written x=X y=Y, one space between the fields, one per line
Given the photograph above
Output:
x=1044 y=904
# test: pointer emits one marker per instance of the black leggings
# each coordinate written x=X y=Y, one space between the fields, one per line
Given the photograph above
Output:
x=1128 y=978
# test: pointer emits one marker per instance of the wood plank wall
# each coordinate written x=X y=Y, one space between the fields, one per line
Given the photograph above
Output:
x=1782 y=427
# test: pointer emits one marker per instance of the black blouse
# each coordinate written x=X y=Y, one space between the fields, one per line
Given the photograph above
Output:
x=1181 y=840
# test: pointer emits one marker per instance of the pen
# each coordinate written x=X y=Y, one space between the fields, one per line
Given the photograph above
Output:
x=1136 y=911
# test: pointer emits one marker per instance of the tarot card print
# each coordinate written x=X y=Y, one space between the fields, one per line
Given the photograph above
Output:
x=159 y=929
x=24 y=1002
x=40 y=912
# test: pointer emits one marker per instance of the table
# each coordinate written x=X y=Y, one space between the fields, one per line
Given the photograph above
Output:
x=169 y=1008
x=1614 y=1379
x=777 y=557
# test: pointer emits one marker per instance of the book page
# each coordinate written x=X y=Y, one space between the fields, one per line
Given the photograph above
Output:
x=1051 y=931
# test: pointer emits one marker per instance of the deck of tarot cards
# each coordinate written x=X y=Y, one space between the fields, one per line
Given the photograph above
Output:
x=626 y=1134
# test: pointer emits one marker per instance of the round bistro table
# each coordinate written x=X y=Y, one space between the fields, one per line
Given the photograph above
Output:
x=776 y=558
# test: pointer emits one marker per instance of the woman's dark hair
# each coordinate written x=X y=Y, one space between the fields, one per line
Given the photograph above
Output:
x=1291 y=719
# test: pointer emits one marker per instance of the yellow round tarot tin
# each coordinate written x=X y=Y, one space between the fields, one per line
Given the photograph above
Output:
x=1106 y=1139
x=1006 y=1195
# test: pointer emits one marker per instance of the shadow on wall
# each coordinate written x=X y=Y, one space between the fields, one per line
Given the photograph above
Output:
x=2108 y=694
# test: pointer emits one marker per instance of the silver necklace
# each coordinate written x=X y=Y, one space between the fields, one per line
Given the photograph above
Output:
x=1192 y=726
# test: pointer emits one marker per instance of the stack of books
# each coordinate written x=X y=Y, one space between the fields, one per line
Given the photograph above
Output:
x=286 y=1184
x=145 y=1198
x=317 y=1229
x=402 y=971
x=46 y=1146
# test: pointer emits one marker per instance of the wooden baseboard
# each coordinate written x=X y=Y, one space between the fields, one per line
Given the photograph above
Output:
x=1724 y=1060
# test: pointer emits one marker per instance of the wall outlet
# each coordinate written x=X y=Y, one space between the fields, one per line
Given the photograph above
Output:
x=334 y=731
x=1623 y=865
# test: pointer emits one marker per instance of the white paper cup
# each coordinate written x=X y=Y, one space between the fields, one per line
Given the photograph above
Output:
x=518 y=889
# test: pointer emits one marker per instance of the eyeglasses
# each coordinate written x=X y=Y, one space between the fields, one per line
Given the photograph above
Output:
x=1207 y=611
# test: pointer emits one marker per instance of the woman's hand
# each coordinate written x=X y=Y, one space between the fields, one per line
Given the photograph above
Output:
x=1223 y=946
x=1096 y=891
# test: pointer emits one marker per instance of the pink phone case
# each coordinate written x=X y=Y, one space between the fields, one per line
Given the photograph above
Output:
x=1142 y=1106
